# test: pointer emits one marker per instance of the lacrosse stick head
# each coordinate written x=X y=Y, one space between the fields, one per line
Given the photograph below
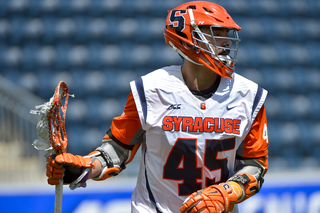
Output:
x=51 y=126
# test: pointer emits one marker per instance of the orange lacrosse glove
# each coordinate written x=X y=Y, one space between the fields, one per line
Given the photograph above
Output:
x=214 y=199
x=66 y=166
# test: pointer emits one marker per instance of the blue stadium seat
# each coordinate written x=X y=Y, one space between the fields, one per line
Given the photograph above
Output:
x=49 y=36
x=315 y=105
x=61 y=76
x=13 y=57
x=80 y=6
x=93 y=103
x=315 y=132
x=92 y=137
x=283 y=49
x=315 y=151
x=46 y=56
x=267 y=55
x=313 y=79
x=94 y=55
x=78 y=56
x=30 y=81
x=306 y=142
x=140 y=55
x=30 y=52
x=77 y=87
x=110 y=7
x=4 y=9
x=309 y=162
x=48 y=6
x=94 y=81
x=64 y=9
x=45 y=89
x=301 y=75
x=268 y=8
x=155 y=27
x=286 y=108
x=18 y=7
x=75 y=133
x=236 y=7
x=273 y=106
x=283 y=79
x=112 y=55
x=34 y=29
x=308 y=26
x=142 y=6
x=299 y=55
x=294 y=8
x=127 y=28
x=77 y=110
x=313 y=54
x=98 y=29
x=314 y=7
x=11 y=74
x=301 y=106
x=5 y=29
x=277 y=163
x=81 y=29
x=65 y=28
x=164 y=55
x=248 y=56
x=268 y=74
x=109 y=108
x=291 y=155
x=63 y=50
x=17 y=24
x=274 y=136
x=252 y=28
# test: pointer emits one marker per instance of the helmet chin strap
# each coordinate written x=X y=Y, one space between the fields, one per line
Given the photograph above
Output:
x=183 y=55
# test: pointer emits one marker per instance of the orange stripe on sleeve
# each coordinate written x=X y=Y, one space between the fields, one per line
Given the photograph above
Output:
x=125 y=126
x=256 y=142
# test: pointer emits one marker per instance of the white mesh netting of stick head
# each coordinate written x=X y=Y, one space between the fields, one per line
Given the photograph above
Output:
x=51 y=126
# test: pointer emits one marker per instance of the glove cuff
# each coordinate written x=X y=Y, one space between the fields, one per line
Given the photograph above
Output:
x=81 y=180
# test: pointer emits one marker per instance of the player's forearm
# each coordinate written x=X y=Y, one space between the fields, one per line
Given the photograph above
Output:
x=94 y=172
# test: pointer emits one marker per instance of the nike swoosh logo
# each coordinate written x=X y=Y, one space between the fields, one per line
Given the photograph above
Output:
x=228 y=108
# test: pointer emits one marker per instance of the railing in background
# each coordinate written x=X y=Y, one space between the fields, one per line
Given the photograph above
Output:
x=19 y=161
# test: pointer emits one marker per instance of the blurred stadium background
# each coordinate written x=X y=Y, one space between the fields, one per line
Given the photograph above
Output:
x=98 y=46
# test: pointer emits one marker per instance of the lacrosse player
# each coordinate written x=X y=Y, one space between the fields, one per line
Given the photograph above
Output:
x=202 y=128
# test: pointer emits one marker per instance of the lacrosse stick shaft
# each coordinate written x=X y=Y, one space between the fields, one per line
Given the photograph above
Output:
x=58 y=198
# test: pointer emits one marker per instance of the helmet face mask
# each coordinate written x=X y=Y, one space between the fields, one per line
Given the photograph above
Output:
x=225 y=53
x=191 y=30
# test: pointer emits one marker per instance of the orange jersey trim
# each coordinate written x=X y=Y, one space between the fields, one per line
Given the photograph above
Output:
x=256 y=143
x=125 y=126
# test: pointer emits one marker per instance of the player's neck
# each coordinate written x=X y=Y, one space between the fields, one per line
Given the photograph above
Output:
x=198 y=78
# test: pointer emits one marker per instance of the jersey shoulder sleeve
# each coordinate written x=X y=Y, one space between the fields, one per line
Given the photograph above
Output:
x=251 y=92
x=256 y=142
x=125 y=128
x=146 y=89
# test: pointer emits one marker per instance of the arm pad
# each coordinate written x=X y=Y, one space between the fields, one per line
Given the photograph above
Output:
x=249 y=176
x=112 y=157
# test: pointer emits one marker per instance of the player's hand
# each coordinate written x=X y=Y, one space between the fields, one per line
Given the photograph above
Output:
x=66 y=166
x=214 y=199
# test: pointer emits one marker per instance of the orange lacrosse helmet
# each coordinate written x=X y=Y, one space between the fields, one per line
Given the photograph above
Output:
x=182 y=32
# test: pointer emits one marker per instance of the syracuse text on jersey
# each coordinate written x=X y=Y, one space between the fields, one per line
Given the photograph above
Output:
x=199 y=124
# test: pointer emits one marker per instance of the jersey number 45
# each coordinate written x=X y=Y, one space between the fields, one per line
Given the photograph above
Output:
x=182 y=164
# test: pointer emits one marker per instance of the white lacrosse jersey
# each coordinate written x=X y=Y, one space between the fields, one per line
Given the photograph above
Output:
x=190 y=144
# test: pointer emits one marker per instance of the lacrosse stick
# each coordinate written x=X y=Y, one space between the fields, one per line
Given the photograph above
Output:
x=51 y=128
